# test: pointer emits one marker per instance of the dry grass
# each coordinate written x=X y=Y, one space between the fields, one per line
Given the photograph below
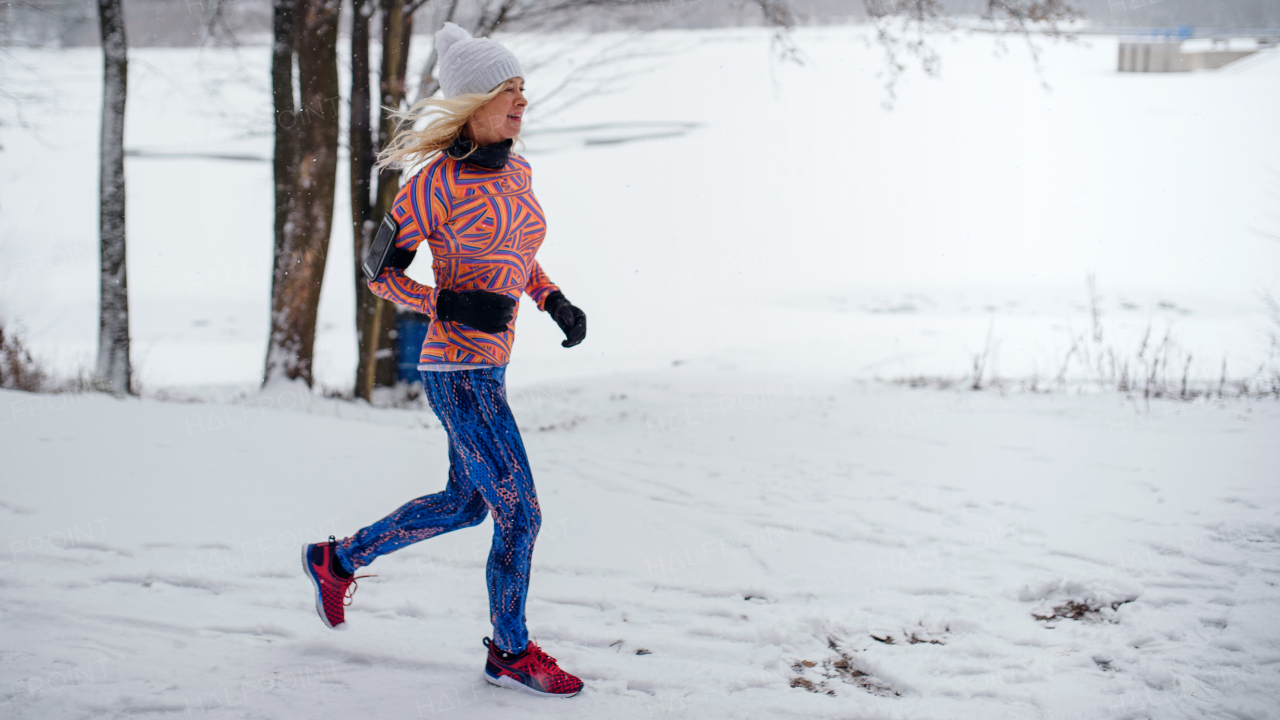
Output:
x=1155 y=367
x=842 y=668
x=1086 y=611
x=18 y=370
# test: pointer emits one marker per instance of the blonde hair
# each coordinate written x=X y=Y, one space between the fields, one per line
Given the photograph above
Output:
x=445 y=118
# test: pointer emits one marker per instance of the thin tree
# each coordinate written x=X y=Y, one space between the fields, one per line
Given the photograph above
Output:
x=306 y=178
x=286 y=114
x=360 y=142
x=375 y=317
x=113 y=318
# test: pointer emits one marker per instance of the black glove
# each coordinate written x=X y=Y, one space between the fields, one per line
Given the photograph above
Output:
x=570 y=319
x=477 y=309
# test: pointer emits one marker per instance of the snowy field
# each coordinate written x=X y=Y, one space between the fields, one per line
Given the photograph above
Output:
x=704 y=539
x=740 y=521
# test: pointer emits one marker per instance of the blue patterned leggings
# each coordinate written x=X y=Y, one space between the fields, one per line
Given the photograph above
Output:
x=488 y=473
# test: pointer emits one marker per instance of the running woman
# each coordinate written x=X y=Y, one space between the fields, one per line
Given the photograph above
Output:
x=472 y=206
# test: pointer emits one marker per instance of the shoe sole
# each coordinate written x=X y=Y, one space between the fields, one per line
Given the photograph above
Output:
x=315 y=583
x=507 y=681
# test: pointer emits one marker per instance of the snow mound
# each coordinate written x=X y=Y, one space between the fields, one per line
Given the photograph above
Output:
x=1086 y=600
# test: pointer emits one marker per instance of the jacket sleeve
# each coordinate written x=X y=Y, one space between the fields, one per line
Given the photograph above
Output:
x=392 y=284
x=539 y=286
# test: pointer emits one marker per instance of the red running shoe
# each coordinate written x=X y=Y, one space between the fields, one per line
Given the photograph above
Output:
x=532 y=671
x=333 y=592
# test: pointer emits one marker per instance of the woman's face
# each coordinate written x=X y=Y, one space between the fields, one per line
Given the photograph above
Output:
x=500 y=118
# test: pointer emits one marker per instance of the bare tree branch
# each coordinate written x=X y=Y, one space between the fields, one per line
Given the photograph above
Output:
x=552 y=14
x=902 y=29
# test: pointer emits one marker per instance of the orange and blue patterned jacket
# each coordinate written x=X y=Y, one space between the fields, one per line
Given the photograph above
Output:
x=483 y=228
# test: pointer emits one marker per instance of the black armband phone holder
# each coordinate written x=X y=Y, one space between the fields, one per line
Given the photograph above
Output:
x=383 y=253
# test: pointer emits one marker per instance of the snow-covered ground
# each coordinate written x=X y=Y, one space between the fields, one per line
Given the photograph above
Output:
x=735 y=513
x=707 y=536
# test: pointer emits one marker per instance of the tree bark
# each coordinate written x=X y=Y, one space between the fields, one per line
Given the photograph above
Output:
x=397 y=30
x=375 y=317
x=286 y=114
x=113 y=320
x=304 y=239
x=373 y=332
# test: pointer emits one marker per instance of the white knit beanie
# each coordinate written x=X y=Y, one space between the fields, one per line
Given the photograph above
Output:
x=472 y=65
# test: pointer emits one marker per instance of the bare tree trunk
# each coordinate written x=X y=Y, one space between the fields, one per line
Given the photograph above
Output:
x=373 y=332
x=304 y=245
x=375 y=317
x=397 y=30
x=361 y=139
x=113 y=319
x=286 y=113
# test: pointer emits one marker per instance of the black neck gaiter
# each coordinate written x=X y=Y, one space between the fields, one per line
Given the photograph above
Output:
x=493 y=157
